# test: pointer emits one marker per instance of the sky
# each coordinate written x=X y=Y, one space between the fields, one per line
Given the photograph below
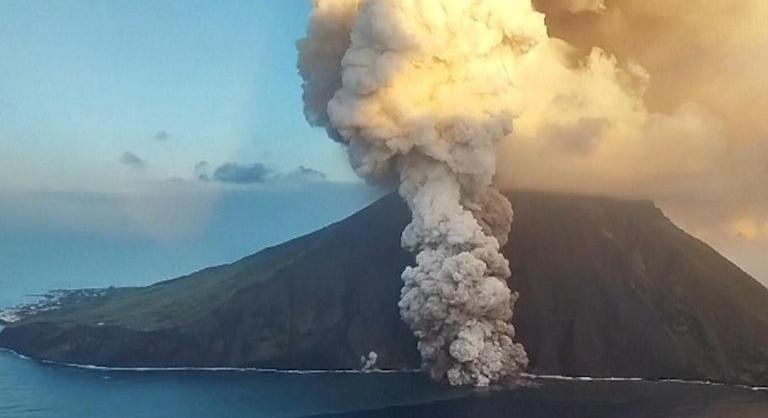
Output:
x=142 y=140
x=131 y=129
x=158 y=86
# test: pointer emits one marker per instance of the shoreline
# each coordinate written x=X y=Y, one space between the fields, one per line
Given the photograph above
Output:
x=201 y=369
x=361 y=372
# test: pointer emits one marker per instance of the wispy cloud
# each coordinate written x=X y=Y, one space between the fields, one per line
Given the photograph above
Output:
x=132 y=160
x=201 y=171
x=235 y=173
x=253 y=173
x=306 y=174
x=161 y=135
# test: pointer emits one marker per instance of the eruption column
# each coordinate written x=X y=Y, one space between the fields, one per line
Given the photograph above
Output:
x=425 y=90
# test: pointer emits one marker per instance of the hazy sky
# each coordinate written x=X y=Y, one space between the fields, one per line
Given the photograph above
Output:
x=158 y=86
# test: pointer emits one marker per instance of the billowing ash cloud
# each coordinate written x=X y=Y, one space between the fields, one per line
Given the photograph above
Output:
x=572 y=6
x=132 y=160
x=427 y=89
x=681 y=89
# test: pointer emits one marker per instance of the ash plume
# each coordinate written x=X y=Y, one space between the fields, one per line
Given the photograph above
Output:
x=426 y=90
x=679 y=93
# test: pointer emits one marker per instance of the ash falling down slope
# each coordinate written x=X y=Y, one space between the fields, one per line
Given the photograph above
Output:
x=607 y=288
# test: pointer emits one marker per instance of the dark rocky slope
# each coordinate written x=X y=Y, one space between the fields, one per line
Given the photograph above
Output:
x=608 y=288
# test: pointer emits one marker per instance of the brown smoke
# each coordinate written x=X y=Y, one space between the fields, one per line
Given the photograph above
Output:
x=694 y=139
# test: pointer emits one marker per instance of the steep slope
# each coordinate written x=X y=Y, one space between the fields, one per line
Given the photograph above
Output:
x=608 y=288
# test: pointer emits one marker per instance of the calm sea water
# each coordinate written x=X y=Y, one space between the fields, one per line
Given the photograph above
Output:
x=29 y=389
x=32 y=390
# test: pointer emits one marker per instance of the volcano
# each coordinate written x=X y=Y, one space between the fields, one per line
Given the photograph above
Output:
x=608 y=288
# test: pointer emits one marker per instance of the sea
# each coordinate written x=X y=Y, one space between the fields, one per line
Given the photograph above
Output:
x=31 y=389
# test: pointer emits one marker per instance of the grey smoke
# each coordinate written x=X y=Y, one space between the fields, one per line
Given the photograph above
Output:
x=369 y=361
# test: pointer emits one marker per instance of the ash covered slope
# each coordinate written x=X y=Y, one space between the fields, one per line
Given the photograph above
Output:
x=607 y=288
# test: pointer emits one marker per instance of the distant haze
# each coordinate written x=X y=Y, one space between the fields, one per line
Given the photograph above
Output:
x=74 y=239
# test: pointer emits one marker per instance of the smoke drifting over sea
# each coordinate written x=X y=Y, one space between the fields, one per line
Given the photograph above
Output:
x=559 y=95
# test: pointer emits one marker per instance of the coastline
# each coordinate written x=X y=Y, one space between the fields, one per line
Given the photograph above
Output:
x=201 y=369
x=367 y=372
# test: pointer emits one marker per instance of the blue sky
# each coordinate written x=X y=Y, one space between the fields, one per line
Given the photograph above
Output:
x=171 y=82
x=108 y=107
